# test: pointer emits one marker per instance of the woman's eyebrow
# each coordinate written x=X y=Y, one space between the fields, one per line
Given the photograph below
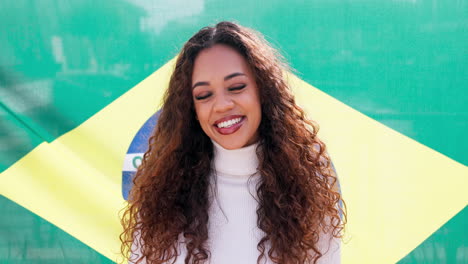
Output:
x=200 y=84
x=230 y=76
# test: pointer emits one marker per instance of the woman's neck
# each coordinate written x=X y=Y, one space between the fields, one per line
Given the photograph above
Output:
x=236 y=162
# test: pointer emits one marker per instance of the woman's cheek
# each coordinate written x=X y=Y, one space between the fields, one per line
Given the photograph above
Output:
x=203 y=116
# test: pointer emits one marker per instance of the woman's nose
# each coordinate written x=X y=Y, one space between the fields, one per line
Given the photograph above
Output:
x=223 y=103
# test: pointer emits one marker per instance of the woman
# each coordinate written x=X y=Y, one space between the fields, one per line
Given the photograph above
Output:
x=235 y=172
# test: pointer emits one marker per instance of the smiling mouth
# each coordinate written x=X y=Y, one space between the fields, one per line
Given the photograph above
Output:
x=229 y=126
x=229 y=123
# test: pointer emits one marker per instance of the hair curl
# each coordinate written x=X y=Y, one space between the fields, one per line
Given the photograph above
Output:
x=297 y=194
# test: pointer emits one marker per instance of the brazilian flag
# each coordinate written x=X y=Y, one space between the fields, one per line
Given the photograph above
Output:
x=386 y=81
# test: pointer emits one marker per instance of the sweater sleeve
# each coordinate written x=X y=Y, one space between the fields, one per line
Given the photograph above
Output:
x=330 y=247
x=135 y=253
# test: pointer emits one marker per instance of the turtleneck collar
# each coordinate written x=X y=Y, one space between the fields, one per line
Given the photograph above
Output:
x=236 y=162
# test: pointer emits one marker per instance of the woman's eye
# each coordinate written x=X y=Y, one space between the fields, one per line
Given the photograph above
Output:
x=237 y=88
x=204 y=96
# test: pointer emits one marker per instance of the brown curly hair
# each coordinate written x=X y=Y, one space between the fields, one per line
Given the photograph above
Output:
x=298 y=196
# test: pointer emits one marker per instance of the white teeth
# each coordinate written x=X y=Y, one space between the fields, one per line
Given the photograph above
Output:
x=229 y=123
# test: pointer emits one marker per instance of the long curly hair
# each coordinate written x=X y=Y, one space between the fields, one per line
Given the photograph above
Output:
x=298 y=195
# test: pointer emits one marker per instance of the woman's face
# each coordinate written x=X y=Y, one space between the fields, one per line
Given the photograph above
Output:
x=226 y=97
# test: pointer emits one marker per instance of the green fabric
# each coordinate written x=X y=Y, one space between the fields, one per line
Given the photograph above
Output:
x=26 y=238
x=446 y=245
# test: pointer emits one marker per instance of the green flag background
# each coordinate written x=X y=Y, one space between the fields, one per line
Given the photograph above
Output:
x=398 y=65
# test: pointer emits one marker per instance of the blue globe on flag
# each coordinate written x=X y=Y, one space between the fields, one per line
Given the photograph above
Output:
x=135 y=153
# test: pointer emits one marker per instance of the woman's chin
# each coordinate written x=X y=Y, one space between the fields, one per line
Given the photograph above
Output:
x=236 y=142
x=231 y=146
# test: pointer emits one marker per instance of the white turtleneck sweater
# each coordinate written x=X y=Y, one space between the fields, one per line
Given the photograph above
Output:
x=233 y=232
